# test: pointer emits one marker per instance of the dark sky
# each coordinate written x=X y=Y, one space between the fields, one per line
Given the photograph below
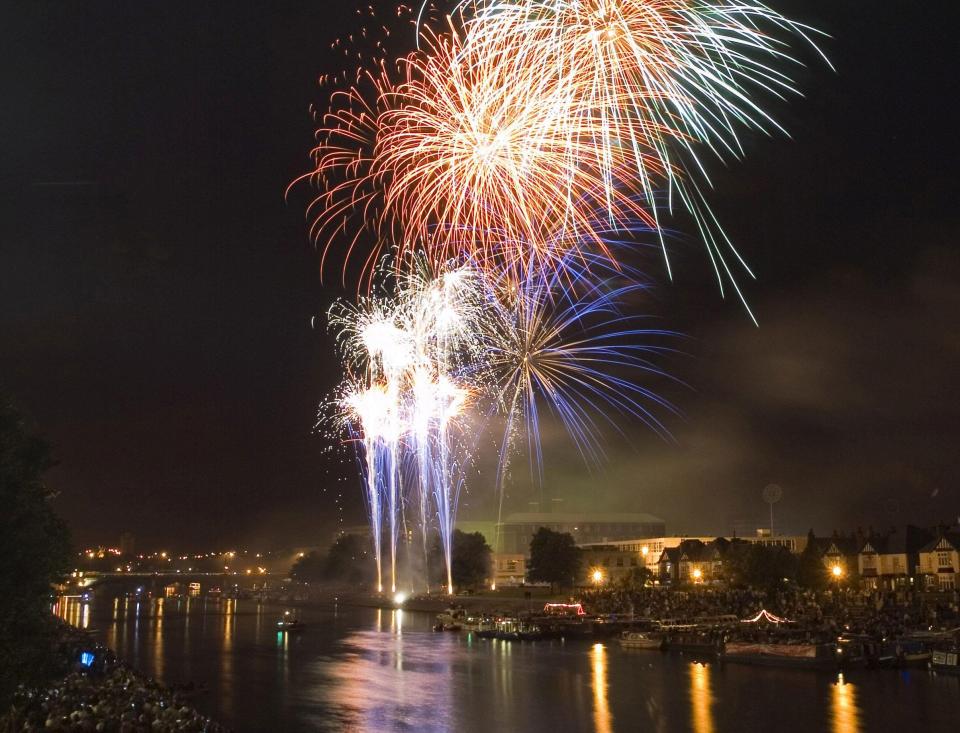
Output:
x=156 y=291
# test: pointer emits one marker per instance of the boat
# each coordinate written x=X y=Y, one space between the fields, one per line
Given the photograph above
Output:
x=450 y=620
x=776 y=654
x=289 y=623
x=472 y=623
x=913 y=653
x=641 y=640
x=530 y=632
x=945 y=662
x=693 y=639
x=510 y=629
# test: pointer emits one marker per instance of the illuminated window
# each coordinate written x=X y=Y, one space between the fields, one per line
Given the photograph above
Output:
x=943 y=559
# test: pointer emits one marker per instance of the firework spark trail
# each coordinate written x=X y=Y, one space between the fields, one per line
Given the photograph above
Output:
x=566 y=343
x=523 y=138
x=442 y=312
x=655 y=82
x=466 y=157
x=369 y=410
x=561 y=342
x=409 y=348
x=523 y=116
x=440 y=343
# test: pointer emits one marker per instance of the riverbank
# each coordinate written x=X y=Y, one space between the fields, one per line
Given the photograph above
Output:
x=102 y=694
x=438 y=603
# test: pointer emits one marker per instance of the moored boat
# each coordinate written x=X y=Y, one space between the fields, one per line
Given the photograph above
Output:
x=692 y=639
x=945 y=662
x=641 y=640
x=812 y=656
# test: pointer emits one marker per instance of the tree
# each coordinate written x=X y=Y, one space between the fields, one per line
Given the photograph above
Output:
x=811 y=572
x=347 y=561
x=34 y=552
x=636 y=579
x=758 y=566
x=470 y=561
x=554 y=558
x=309 y=568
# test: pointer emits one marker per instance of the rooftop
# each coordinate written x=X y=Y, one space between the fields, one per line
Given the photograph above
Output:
x=577 y=518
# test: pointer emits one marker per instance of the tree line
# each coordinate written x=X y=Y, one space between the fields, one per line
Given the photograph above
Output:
x=554 y=558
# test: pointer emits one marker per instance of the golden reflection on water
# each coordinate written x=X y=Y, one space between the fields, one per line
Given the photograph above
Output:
x=158 y=655
x=229 y=609
x=843 y=707
x=701 y=698
x=112 y=628
x=602 y=719
x=229 y=622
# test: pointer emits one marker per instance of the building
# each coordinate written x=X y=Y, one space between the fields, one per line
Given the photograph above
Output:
x=607 y=564
x=840 y=555
x=649 y=549
x=509 y=569
x=692 y=562
x=517 y=530
x=892 y=561
x=940 y=561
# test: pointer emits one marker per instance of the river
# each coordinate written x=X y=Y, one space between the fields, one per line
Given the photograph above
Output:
x=360 y=669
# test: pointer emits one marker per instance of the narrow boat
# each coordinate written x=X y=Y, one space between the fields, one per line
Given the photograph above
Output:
x=692 y=639
x=810 y=656
x=945 y=662
x=641 y=640
x=913 y=653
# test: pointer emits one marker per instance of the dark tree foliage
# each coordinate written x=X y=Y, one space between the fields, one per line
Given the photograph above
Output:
x=758 y=566
x=309 y=568
x=34 y=553
x=554 y=558
x=347 y=561
x=636 y=579
x=470 y=561
x=811 y=572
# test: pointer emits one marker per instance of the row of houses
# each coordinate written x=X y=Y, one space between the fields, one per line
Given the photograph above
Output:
x=912 y=556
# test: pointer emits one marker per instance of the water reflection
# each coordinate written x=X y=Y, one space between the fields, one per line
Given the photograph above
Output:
x=845 y=713
x=158 y=638
x=701 y=698
x=227 y=677
x=384 y=670
x=391 y=680
x=602 y=719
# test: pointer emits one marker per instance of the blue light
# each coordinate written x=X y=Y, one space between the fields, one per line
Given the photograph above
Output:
x=86 y=658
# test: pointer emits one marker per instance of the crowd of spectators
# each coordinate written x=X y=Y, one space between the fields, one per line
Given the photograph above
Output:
x=878 y=614
x=100 y=693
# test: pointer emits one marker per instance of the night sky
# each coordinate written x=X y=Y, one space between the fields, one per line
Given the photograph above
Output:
x=157 y=291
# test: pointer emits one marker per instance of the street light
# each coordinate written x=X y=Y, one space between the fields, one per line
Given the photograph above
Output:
x=837 y=571
x=697 y=574
x=597 y=576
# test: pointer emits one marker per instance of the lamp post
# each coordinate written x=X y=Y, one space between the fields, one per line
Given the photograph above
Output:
x=597 y=577
x=837 y=572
